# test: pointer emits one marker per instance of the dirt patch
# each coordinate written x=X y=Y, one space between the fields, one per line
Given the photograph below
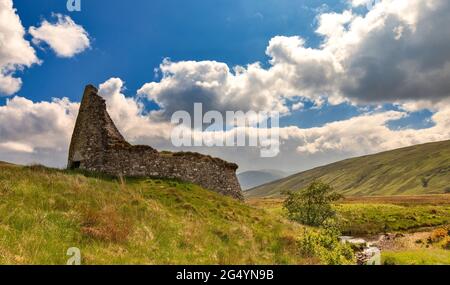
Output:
x=407 y=241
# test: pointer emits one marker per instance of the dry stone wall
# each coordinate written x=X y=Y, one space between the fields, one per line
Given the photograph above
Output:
x=98 y=146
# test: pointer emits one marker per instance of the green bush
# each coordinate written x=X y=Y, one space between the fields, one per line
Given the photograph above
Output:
x=326 y=245
x=313 y=205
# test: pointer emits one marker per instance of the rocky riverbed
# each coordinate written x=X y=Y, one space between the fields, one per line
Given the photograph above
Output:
x=369 y=249
x=367 y=253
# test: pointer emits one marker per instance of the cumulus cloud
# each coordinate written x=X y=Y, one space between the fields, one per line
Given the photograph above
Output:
x=305 y=148
x=357 y=3
x=368 y=133
x=64 y=37
x=36 y=131
x=215 y=85
x=129 y=115
x=298 y=106
x=16 y=53
x=16 y=147
x=398 y=52
x=382 y=56
x=40 y=132
x=301 y=148
x=395 y=53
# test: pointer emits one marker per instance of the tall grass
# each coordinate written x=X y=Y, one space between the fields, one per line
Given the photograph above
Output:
x=43 y=212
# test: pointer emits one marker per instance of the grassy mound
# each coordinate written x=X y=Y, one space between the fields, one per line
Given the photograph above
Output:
x=43 y=212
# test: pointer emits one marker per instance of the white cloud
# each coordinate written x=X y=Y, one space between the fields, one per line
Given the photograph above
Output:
x=367 y=133
x=129 y=114
x=357 y=3
x=41 y=131
x=16 y=147
x=9 y=84
x=215 y=85
x=36 y=131
x=15 y=52
x=65 y=37
x=297 y=106
x=386 y=56
x=383 y=56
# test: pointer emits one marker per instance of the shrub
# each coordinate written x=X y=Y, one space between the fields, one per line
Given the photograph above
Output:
x=313 y=205
x=425 y=182
x=325 y=245
x=308 y=245
x=438 y=234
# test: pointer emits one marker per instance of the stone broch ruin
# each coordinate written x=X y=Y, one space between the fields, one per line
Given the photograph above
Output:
x=98 y=146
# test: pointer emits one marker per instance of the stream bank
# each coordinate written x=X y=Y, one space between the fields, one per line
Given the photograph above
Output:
x=369 y=249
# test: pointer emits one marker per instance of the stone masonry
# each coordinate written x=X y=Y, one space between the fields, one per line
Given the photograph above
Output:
x=98 y=146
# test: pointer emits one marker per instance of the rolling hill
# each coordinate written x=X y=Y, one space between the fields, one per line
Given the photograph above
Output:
x=44 y=212
x=254 y=178
x=416 y=170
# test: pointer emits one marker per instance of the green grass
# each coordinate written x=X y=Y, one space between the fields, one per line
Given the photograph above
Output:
x=43 y=212
x=373 y=218
x=416 y=170
x=417 y=257
x=366 y=219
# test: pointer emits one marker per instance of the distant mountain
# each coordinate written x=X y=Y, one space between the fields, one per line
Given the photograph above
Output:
x=251 y=179
x=420 y=169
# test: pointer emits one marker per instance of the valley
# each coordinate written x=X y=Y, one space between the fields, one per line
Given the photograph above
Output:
x=407 y=229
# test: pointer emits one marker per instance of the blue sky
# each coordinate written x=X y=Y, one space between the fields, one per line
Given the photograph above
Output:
x=128 y=41
x=141 y=35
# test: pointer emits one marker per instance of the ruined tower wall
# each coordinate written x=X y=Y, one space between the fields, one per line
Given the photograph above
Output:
x=94 y=132
x=98 y=146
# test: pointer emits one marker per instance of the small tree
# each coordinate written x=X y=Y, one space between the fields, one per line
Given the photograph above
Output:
x=313 y=205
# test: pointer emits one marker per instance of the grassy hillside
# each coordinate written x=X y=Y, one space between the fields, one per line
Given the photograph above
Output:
x=43 y=212
x=416 y=170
